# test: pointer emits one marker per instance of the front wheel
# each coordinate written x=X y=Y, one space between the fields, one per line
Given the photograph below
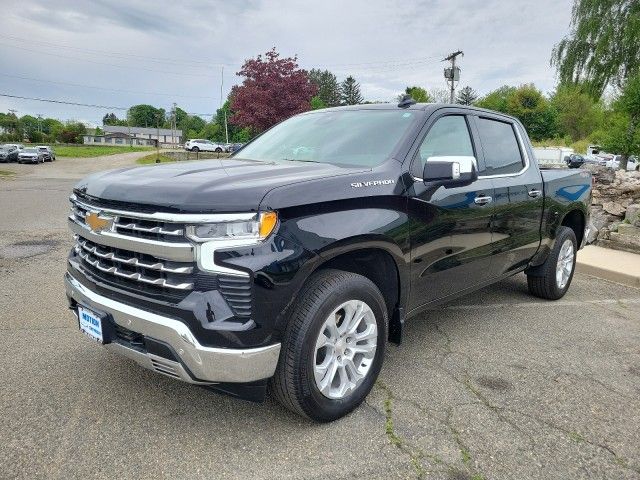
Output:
x=551 y=280
x=218 y=150
x=195 y=149
x=333 y=347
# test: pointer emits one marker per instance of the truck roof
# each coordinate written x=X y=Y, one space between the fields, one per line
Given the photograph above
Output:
x=426 y=107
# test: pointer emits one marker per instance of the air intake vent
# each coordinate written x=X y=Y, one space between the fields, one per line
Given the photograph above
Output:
x=236 y=291
x=165 y=367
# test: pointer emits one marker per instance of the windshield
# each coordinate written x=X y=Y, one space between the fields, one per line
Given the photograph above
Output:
x=342 y=137
x=30 y=150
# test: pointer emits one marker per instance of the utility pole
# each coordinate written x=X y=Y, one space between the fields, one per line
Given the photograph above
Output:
x=224 y=110
x=173 y=123
x=39 y=123
x=15 y=123
x=452 y=74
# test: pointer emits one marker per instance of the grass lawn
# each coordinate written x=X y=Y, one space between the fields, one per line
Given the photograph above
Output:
x=6 y=173
x=86 y=151
x=151 y=158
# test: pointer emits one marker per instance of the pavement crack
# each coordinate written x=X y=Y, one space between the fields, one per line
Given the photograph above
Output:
x=578 y=438
x=415 y=454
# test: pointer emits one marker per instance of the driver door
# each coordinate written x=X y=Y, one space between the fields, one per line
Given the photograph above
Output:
x=451 y=234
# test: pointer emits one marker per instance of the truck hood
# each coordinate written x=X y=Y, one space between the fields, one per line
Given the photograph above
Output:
x=225 y=185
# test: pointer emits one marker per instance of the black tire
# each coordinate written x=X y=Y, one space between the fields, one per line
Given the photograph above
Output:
x=542 y=281
x=294 y=384
x=218 y=150
x=195 y=149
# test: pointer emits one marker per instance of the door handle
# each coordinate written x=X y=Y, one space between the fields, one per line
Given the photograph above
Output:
x=535 y=193
x=482 y=200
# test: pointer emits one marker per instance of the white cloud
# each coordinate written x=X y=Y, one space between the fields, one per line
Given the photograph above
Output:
x=504 y=41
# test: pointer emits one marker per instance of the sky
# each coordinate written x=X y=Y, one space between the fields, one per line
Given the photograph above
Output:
x=118 y=53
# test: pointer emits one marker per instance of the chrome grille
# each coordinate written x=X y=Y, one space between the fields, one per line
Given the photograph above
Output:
x=134 y=266
x=132 y=226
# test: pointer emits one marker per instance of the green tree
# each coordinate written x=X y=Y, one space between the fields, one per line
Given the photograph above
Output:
x=110 y=119
x=622 y=132
x=603 y=46
x=534 y=111
x=466 y=96
x=419 y=94
x=72 y=132
x=578 y=114
x=328 y=87
x=350 y=91
x=527 y=104
x=190 y=123
x=497 y=99
x=29 y=128
x=146 y=116
x=9 y=122
x=317 y=103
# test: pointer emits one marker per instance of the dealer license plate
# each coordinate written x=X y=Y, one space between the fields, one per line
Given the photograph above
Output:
x=90 y=324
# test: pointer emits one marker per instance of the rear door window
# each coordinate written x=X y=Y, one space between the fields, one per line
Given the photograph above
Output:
x=502 y=154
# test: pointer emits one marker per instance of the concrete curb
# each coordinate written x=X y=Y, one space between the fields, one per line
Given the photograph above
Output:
x=618 y=277
x=613 y=265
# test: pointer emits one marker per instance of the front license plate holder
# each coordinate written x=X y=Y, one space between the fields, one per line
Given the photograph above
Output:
x=93 y=324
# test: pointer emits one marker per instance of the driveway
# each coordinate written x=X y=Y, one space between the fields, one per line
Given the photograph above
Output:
x=498 y=386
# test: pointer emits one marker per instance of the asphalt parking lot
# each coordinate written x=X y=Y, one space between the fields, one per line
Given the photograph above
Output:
x=498 y=386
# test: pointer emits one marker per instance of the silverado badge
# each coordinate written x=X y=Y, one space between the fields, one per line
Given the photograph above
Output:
x=97 y=222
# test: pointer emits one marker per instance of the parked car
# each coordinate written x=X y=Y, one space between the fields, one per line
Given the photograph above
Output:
x=31 y=155
x=234 y=147
x=614 y=163
x=200 y=145
x=8 y=154
x=17 y=146
x=574 y=160
x=49 y=154
x=552 y=156
x=293 y=272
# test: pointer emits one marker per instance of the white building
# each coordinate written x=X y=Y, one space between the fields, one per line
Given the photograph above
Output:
x=123 y=135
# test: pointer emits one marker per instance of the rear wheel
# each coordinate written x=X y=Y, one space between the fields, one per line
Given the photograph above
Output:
x=333 y=347
x=552 y=279
x=218 y=150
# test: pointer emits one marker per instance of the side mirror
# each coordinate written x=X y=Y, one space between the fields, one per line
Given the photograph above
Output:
x=450 y=170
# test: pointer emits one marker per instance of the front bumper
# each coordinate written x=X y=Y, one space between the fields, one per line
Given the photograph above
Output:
x=193 y=362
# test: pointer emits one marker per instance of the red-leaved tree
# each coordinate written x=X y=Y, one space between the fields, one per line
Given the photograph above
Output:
x=273 y=89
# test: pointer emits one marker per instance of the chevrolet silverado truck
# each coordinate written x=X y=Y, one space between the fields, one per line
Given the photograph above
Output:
x=290 y=265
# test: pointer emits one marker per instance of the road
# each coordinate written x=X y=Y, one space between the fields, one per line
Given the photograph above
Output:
x=498 y=386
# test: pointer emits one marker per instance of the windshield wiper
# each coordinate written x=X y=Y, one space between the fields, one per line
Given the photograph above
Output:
x=299 y=160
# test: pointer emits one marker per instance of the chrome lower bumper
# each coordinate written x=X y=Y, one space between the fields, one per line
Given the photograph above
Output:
x=207 y=364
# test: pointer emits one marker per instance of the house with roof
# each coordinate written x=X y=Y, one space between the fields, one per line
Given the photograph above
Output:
x=140 y=136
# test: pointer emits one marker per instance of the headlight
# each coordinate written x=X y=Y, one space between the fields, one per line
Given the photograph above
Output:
x=257 y=228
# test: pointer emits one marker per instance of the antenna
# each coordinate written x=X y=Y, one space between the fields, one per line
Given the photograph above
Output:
x=406 y=101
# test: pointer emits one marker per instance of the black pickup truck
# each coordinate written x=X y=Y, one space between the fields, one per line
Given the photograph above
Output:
x=291 y=264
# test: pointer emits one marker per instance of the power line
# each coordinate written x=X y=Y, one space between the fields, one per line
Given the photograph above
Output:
x=104 y=88
x=128 y=67
x=78 y=104
x=209 y=63
x=190 y=62
x=373 y=66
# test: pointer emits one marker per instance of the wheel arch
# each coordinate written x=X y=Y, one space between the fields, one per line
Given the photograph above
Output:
x=576 y=220
x=380 y=262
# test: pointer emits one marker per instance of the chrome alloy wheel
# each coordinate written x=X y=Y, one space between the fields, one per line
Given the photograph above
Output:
x=565 y=264
x=345 y=349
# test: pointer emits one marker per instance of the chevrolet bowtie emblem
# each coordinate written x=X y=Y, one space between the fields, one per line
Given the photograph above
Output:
x=98 y=223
